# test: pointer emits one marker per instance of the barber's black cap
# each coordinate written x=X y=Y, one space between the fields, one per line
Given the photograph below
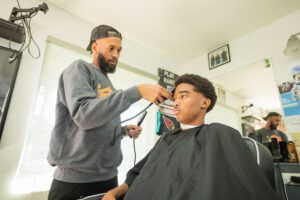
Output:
x=103 y=31
x=272 y=114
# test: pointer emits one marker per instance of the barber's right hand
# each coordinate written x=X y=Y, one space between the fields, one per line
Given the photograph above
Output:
x=154 y=93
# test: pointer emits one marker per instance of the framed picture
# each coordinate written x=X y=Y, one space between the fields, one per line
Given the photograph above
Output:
x=219 y=57
x=9 y=66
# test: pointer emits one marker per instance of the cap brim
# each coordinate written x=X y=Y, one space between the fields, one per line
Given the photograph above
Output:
x=89 y=47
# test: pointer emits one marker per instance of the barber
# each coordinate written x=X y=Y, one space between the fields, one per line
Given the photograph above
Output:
x=86 y=139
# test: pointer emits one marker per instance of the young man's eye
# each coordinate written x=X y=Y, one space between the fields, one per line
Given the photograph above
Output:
x=183 y=96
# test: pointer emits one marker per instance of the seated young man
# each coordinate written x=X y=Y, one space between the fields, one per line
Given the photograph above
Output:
x=197 y=161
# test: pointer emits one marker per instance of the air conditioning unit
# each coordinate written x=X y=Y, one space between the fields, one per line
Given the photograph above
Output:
x=221 y=93
x=12 y=31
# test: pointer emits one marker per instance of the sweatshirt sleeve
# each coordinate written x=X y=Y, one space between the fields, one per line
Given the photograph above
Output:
x=85 y=108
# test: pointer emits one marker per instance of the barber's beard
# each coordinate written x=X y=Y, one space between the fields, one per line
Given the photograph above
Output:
x=105 y=66
x=273 y=126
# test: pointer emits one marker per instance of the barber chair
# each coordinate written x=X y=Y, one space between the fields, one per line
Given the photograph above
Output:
x=264 y=159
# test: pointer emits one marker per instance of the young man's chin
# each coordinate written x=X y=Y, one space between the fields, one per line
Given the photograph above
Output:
x=180 y=119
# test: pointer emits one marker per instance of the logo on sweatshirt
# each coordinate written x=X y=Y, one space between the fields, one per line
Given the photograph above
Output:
x=103 y=92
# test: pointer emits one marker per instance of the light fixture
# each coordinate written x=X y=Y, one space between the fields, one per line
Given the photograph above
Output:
x=293 y=46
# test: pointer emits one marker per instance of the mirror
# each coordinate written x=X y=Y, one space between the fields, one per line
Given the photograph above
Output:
x=255 y=85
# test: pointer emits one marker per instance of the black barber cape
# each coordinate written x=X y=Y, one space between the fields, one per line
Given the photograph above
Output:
x=210 y=162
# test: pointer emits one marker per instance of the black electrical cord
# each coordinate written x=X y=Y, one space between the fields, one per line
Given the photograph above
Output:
x=26 y=25
x=134 y=151
x=31 y=39
x=133 y=140
x=29 y=33
x=137 y=114
x=115 y=132
x=15 y=54
x=18 y=3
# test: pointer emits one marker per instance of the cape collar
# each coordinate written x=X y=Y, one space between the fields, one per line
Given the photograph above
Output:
x=187 y=126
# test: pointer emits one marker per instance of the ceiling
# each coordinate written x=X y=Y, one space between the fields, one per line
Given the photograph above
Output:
x=255 y=83
x=180 y=29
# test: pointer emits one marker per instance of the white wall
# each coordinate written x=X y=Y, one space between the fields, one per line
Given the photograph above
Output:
x=63 y=26
x=226 y=115
x=266 y=42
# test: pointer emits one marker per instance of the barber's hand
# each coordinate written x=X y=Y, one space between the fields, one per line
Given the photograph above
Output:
x=133 y=131
x=109 y=196
x=154 y=93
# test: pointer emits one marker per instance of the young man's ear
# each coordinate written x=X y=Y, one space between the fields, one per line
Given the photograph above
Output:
x=205 y=103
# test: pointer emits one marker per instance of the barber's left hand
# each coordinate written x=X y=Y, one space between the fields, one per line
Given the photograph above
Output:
x=133 y=131
x=109 y=196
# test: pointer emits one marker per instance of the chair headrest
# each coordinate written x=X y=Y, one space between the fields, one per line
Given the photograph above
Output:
x=263 y=158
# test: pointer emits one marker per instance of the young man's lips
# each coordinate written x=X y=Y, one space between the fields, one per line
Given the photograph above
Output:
x=176 y=112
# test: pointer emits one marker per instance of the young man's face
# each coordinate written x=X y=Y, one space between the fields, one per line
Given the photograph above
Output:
x=107 y=52
x=189 y=106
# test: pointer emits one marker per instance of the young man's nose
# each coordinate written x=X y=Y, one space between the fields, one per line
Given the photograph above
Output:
x=176 y=103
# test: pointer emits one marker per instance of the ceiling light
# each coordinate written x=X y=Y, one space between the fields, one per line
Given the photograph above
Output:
x=293 y=46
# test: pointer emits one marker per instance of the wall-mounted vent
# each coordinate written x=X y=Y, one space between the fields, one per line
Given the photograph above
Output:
x=221 y=93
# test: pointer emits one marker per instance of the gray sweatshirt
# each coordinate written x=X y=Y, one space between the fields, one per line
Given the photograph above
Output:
x=85 y=141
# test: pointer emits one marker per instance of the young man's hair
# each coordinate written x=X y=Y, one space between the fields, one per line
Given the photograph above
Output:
x=201 y=85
